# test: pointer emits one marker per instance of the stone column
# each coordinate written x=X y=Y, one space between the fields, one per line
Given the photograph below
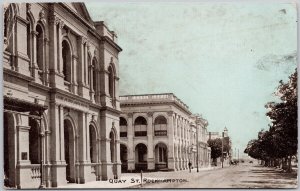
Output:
x=92 y=91
x=83 y=152
x=55 y=78
x=58 y=170
x=22 y=153
x=176 y=137
x=150 y=160
x=62 y=133
x=99 y=176
x=83 y=89
x=107 y=165
x=46 y=76
x=116 y=98
x=86 y=49
x=47 y=158
x=171 y=157
x=74 y=75
x=130 y=146
x=35 y=67
x=59 y=49
x=118 y=161
x=180 y=155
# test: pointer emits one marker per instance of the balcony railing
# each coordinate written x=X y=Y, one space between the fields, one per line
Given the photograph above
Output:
x=160 y=133
x=153 y=97
x=35 y=171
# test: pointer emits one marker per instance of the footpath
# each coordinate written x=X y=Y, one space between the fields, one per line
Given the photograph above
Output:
x=131 y=180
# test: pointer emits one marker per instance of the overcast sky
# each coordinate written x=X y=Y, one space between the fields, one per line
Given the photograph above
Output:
x=224 y=60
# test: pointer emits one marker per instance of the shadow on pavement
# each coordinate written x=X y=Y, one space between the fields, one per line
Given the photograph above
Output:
x=270 y=178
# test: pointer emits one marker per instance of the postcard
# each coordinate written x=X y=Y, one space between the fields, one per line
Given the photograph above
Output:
x=151 y=94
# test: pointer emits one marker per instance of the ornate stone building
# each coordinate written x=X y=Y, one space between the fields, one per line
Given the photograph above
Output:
x=61 y=96
x=158 y=132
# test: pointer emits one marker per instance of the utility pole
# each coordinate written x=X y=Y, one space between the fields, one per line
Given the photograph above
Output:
x=197 y=146
x=222 y=159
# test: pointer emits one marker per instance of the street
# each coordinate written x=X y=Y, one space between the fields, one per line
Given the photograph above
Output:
x=240 y=176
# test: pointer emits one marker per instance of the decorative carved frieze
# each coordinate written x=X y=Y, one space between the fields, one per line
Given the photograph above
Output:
x=72 y=102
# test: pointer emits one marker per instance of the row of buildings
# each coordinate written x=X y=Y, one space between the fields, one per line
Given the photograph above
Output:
x=64 y=120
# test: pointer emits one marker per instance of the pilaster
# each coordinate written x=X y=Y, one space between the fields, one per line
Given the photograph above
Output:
x=151 y=162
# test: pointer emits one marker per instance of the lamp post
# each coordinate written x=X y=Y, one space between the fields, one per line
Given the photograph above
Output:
x=225 y=131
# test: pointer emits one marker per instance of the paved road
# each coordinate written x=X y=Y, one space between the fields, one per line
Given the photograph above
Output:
x=241 y=176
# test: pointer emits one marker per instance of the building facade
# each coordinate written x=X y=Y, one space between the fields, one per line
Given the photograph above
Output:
x=61 y=96
x=158 y=132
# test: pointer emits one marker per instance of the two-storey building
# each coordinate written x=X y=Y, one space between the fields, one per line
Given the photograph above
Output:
x=61 y=96
x=158 y=132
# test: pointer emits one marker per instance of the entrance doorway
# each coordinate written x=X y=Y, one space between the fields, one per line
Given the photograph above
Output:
x=161 y=157
x=141 y=157
x=124 y=158
x=69 y=151
x=9 y=151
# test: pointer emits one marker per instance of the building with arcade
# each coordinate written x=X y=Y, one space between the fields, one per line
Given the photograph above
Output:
x=158 y=132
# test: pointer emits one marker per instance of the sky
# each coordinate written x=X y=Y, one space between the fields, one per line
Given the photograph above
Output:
x=224 y=60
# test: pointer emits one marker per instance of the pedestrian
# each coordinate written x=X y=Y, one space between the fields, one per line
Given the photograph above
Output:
x=190 y=166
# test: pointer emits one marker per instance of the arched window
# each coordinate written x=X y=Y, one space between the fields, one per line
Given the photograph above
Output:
x=34 y=141
x=93 y=144
x=140 y=127
x=160 y=126
x=6 y=19
x=123 y=127
x=89 y=69
x=40 y=47
x=29 y=39
x=67 y=58
x=11 y=10
x=111 y=81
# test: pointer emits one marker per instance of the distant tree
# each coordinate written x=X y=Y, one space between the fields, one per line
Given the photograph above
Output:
x=216 y=146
